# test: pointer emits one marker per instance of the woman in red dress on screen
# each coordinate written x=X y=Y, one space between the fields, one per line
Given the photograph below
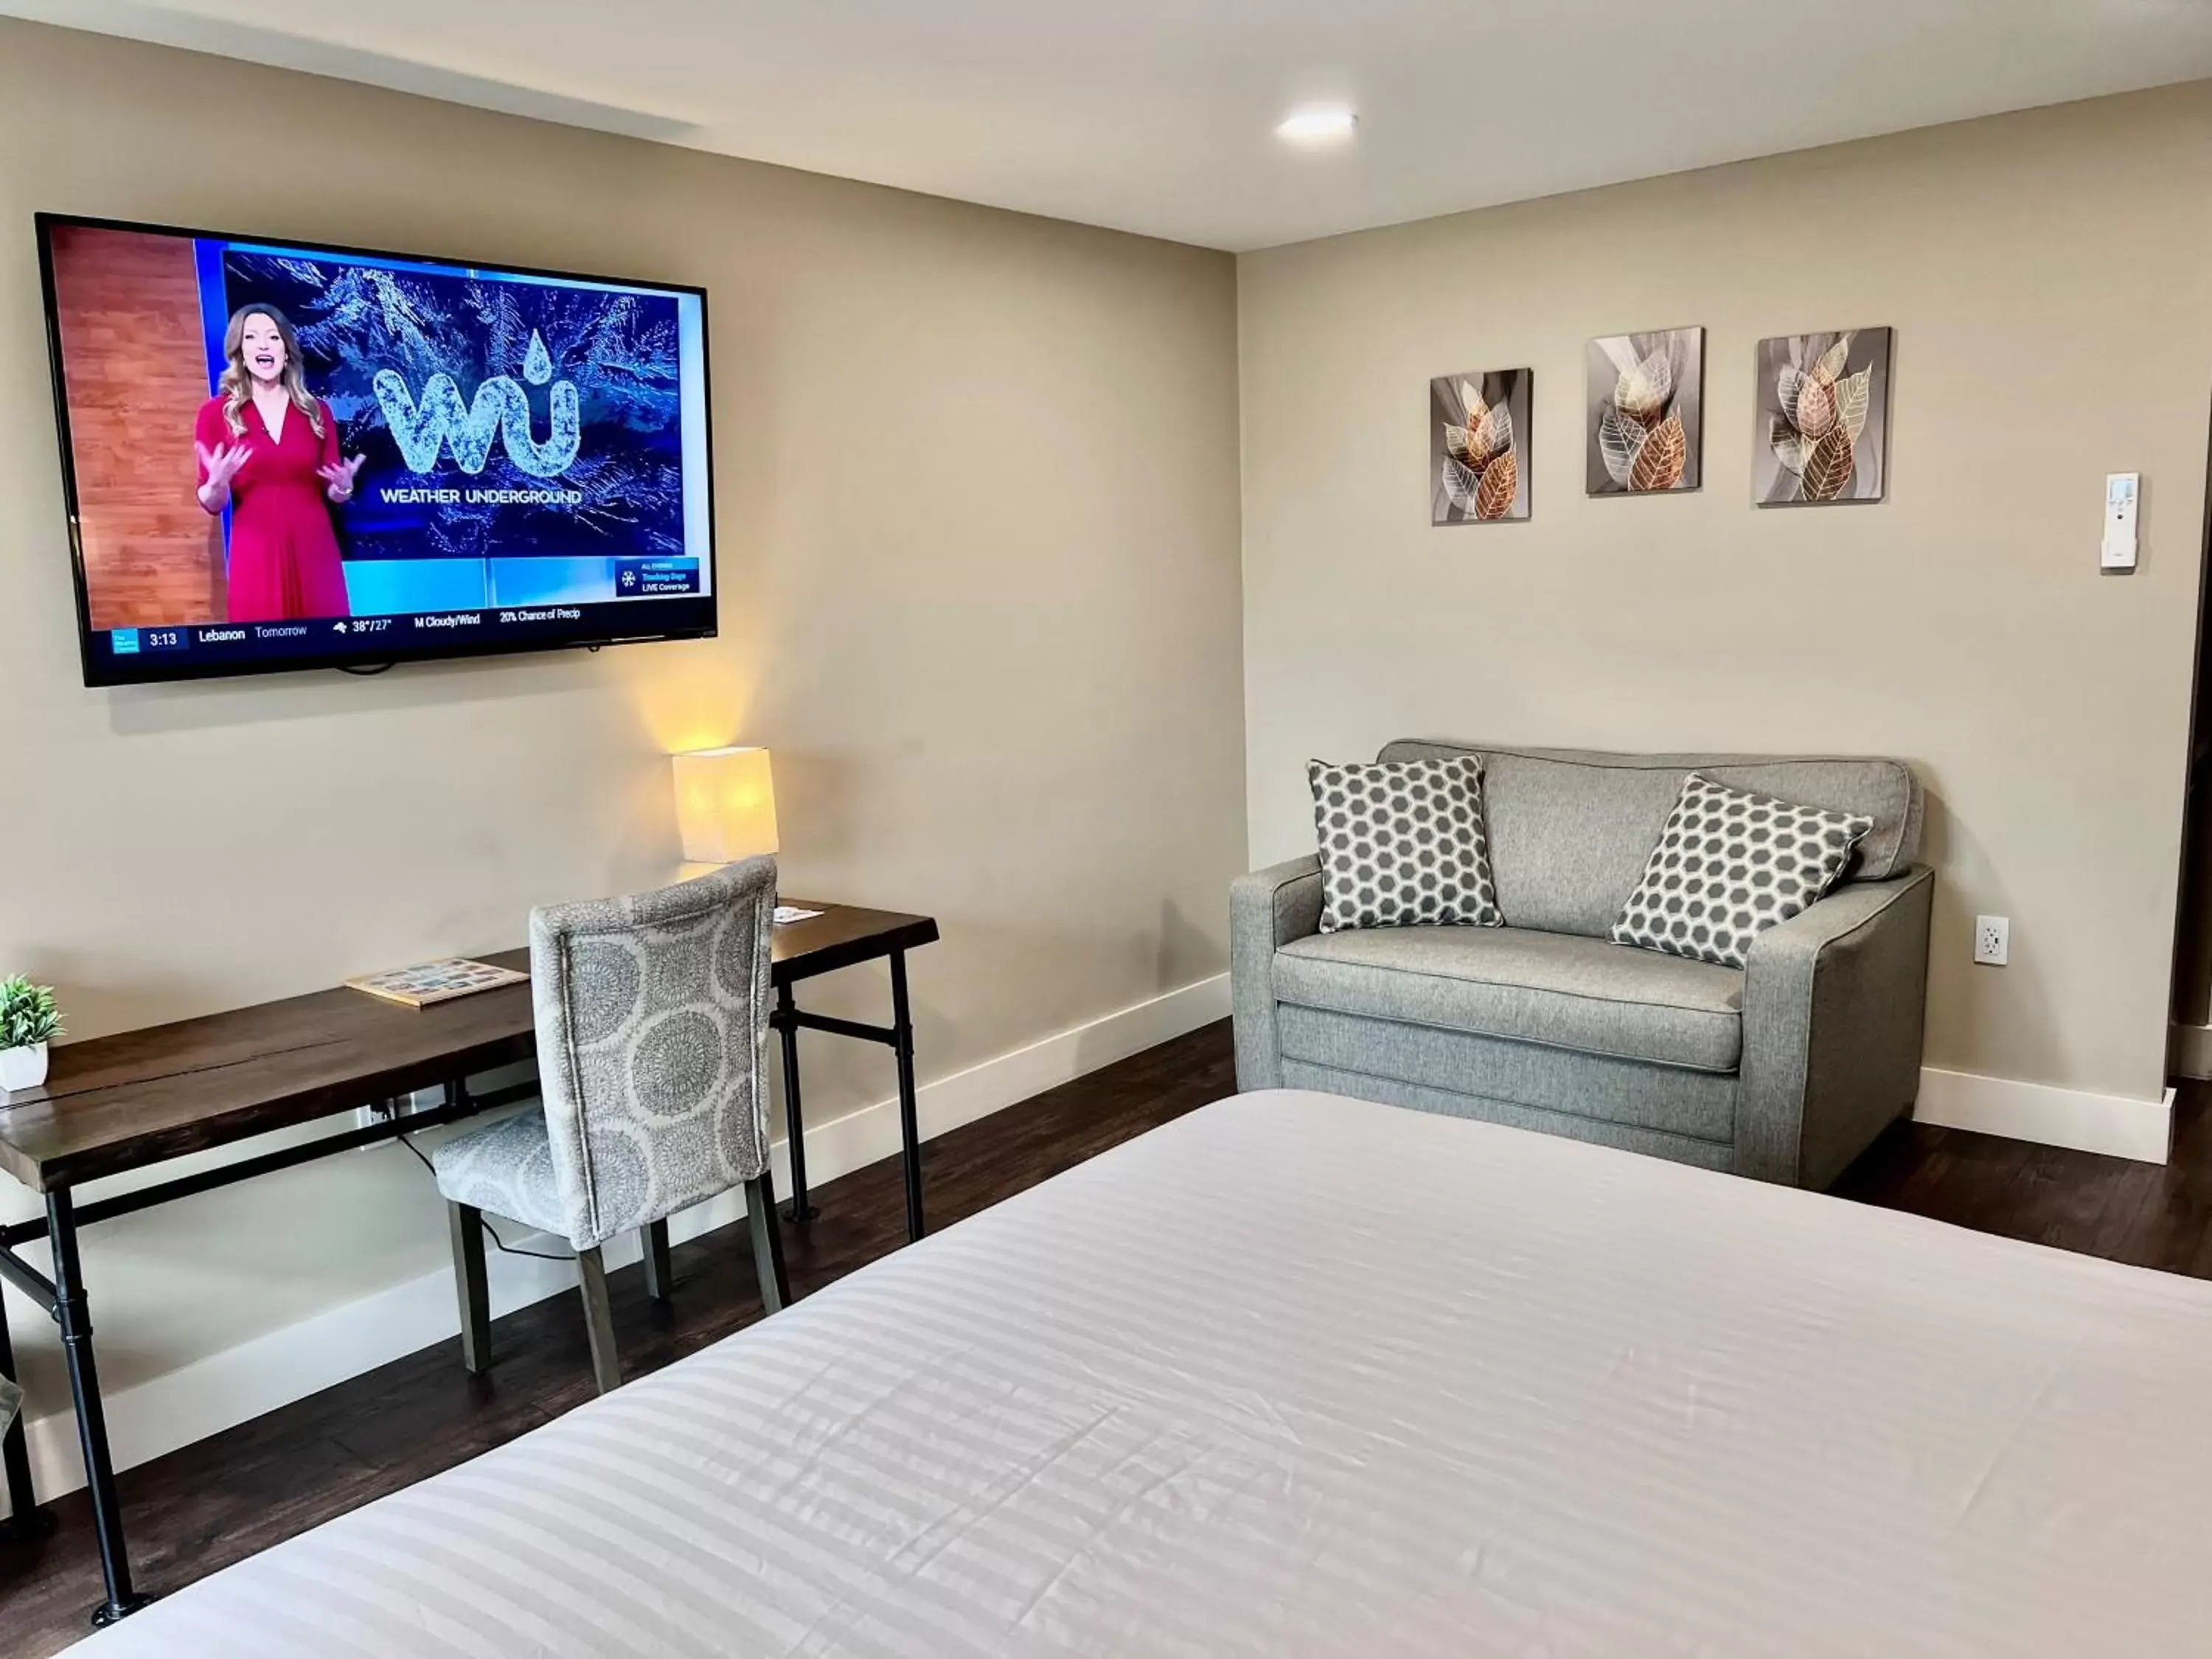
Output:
x=269 y=451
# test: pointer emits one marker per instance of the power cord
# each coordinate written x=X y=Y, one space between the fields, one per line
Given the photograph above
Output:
x=490 y=1231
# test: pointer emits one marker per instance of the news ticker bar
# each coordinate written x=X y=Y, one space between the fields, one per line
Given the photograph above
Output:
x=376 y=637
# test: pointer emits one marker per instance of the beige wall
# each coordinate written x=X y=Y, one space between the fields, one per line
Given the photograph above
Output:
x=978 y=519
x=2050 y=279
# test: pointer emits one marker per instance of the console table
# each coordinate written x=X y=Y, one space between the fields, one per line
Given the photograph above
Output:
x=131 y=1100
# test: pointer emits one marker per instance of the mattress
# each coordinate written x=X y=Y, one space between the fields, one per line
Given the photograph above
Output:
x=1297 y=1375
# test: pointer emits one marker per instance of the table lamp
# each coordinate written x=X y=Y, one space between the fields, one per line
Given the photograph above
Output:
x=724 y=805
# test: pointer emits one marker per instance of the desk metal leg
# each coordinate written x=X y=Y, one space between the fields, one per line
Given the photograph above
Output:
x=910 y=1122
x=794 y=1121
x=72 y=1312
x=25 y=1520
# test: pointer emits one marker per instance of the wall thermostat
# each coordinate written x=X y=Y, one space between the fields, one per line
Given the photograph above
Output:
x=2118 y=556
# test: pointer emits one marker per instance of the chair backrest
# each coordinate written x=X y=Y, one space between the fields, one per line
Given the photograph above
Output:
x=1570 y=830
x=652 y=1015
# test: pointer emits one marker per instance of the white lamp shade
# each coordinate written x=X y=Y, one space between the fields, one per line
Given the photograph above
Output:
x=724 y=805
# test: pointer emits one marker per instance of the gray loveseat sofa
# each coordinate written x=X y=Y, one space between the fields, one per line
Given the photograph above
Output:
x=1784 y=1070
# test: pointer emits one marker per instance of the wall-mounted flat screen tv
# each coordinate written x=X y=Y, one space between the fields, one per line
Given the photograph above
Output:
x=285 y=455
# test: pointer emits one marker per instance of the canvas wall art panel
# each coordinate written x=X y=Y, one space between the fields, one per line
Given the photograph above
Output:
x=1645 y=427
x=1822 y=433
x=1479 y=447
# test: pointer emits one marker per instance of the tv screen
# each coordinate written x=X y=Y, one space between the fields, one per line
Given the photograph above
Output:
x=285 y=455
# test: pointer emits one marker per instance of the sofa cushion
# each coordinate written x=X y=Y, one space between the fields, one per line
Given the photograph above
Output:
x=1730 y=865
x=1569 y=831
x=1558 y=989
x=1653 y=1143
x=1674 y=1098
x=1401 y=843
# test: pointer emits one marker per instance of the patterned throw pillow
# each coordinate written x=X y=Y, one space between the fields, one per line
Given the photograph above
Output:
x=1729 y=864
x=1402 y=844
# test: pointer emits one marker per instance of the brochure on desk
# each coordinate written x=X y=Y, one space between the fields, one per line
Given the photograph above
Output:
x=436 y=982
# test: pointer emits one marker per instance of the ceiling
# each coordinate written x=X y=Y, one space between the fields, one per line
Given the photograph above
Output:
x=1158 y=115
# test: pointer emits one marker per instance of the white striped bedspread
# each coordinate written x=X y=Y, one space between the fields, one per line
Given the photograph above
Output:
x=1303 y=1375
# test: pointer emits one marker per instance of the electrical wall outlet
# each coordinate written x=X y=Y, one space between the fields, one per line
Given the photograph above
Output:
x=1993 y=940
x=366 y=1117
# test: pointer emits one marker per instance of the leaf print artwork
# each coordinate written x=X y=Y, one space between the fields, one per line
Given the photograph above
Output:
x=1851 y=402
x=1658 y=464
x=1789 y=446
x=1501 y=483
x=1828 y=467
x=1495 y=436
x=1618 y=437
x=1646 y=412
x=1822 y=433
x=1478 y=453
x=1643 y=391
x=1816 y=407
x=1787 y=384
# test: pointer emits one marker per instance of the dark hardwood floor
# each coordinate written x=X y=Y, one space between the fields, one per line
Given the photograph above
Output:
x=2148 y=1215
x=223 y=1498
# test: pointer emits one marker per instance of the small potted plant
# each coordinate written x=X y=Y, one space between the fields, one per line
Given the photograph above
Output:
x=28 y=1021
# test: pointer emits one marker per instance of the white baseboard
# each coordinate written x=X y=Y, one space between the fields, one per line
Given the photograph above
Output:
x=240 y=1383
x=2141 y=1129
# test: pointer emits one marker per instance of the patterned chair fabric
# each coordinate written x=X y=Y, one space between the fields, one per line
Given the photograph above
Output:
x=652 y=1014
x=507 y=1168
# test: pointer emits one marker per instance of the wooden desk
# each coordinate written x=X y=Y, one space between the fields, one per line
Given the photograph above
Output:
x=841 y=937
x=121 y=1102
x=128 y=1101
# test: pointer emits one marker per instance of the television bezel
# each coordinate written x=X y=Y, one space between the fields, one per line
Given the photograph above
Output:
x=153 y=671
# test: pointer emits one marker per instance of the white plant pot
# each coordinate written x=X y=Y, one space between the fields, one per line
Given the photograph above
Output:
x=23 y=1069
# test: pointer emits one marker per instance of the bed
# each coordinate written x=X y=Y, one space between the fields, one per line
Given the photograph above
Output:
x=1297 y=1375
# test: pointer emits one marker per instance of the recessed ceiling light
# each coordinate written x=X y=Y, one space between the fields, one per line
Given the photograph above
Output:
x=1318 y=126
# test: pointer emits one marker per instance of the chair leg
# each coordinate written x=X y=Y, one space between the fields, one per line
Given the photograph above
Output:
x=657 y=1276
x=599 y=1319
x=466 y=1224
x=768 y=1243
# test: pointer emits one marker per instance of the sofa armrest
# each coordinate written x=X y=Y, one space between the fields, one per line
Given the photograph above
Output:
x=1834 y=1002
x=1267 y=910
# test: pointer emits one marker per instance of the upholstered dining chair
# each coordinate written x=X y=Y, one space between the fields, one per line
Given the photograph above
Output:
x=651 y=1015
